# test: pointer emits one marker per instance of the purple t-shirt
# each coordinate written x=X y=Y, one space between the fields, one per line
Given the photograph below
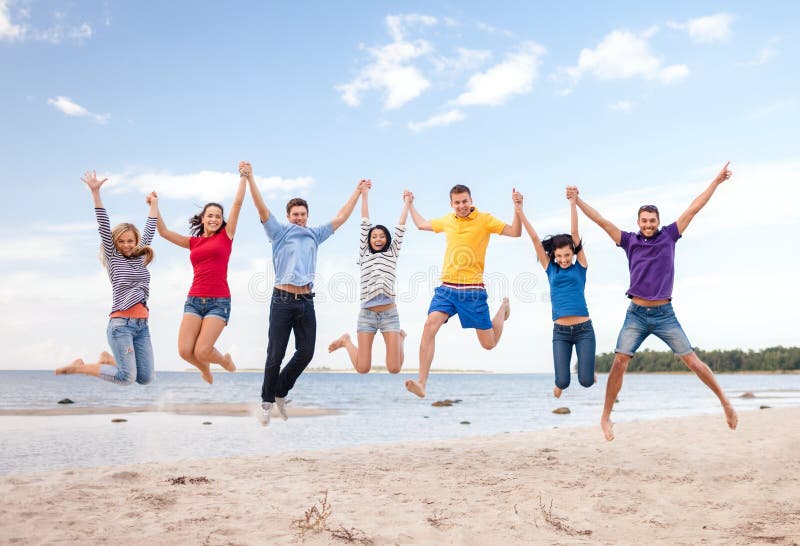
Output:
x=651 y=262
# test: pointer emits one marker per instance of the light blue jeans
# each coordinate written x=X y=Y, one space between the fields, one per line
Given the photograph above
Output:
x=660 y=321
x=129 y=339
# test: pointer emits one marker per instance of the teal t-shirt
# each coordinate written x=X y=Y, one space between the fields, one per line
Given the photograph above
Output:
x=566 y=290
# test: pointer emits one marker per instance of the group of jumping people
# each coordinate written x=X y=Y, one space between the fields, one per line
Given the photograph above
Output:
x=126 y=253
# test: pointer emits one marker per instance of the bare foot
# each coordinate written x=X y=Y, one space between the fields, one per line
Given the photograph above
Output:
x=608 y=428
x=227 y=363
x=106 y=358
x=339 y=342
x=74 y=366
x=730 y=415
x=414 y=387
x=205 y=371
x=557 y=392
x=507 y=305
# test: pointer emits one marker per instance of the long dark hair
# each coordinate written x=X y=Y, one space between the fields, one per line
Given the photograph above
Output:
x=385 y=232
x=553 y=242
x=196 y=221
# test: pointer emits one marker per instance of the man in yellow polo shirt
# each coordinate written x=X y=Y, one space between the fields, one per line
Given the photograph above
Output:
x=462 y=291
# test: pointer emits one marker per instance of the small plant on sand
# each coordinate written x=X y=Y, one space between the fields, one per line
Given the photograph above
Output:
x=315 y=519
x=351 y=536
x=556 y=522
x=440 y=520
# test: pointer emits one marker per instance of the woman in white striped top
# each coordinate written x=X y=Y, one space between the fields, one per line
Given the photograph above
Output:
x=125 y=255
x=378 y=260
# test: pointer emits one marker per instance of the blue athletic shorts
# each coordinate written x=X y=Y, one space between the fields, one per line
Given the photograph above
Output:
x=469 y=304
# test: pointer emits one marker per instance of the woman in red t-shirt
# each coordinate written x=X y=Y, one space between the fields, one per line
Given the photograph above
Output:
x=208 y=305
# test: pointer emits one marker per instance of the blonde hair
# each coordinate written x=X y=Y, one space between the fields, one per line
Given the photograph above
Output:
x=117 y=232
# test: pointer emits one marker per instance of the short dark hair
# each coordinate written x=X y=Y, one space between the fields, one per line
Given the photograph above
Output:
x=648 y=208
x=296 y=202
x=460 y=188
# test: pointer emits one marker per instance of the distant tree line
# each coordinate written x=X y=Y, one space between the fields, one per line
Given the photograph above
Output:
x=766 y=360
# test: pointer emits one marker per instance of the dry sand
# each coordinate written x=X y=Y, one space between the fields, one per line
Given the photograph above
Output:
x=675 y=481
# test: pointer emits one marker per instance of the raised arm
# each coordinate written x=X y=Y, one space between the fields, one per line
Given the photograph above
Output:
x=541 y=255
x=515 y=229
x=90 y=179
x=152 y=218
x=576 y=236
x=246 y=170
x=171 y=236
x=612 y=230
x=364 y=204
x=103 y=224
x=419 y=221
x=404 y=211
x=347 y=209
x=236 y=207
x=701 y=200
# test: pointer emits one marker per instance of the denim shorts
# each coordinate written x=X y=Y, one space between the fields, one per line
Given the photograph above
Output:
x=370 y=322
x=208 y=307
x=469 y=304
x=660 y=321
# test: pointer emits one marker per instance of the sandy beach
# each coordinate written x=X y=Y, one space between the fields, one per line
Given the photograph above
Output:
x=686 y=480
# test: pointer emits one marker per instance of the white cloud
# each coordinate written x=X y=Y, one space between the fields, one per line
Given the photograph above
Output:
x=704 y=30
x=466 y=59
x=439 y=120
x=391 y=69
x=8 y=30
x=621 y=55
x=513 y=76
x=490 y=29
x=34 y=249
x=765 y=54
x=203 y=185
x=60 y=31
x=622 y=106
x=70 y=108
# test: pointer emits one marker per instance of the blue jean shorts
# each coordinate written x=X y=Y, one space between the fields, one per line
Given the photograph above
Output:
x=208 y=307
x=370 y=322
x=660 y=321
x=469 y=304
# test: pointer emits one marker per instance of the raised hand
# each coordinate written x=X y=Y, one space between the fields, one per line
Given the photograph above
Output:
x=245 y=169
x=572 y=193
x=517 y=198
x=408 y=197
x=724 y=174
x=365 y=185
x=90 y=178
x=151 y=198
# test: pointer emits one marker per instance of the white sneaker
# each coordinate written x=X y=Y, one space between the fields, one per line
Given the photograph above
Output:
x=281 y=404
x=264 y=413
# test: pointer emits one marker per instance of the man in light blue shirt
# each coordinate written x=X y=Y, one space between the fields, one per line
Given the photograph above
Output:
x=294 y=255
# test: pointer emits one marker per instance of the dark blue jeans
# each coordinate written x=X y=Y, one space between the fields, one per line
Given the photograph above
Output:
x=582 y=337
x=288 y=313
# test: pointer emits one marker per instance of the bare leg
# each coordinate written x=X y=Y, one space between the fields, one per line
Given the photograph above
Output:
x=187 y=338
x=394 y=350
x=613 y=387
x=345 y=341
x=204 y=350
x=78 y=366
x=707 y=376
x=557 y=392
x=427 y=347
x=490 y=338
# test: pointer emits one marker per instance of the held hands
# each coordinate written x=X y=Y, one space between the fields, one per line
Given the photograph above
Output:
x=364 y=186
x=517 y=198
x=572 y=194
x=152 y=199
x=723 y=175
x=90 y=178
x=408 y=197
x=245 y=169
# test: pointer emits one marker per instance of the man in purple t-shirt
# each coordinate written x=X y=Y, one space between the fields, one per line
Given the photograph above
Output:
x=651 y=261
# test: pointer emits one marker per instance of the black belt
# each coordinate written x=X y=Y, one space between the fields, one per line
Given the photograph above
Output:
x=286 y=294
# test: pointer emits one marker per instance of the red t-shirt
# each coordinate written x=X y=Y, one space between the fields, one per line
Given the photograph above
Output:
x=209 y=256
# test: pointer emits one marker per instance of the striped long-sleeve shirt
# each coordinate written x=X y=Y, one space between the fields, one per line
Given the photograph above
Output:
x=130 y=279
x=378 y=268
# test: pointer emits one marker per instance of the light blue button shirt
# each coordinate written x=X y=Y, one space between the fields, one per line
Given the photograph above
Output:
x=294 y=250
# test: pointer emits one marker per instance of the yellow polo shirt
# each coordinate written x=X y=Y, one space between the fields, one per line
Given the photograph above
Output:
x=467 y=239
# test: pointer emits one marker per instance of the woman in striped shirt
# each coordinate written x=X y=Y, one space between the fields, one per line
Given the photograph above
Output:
x=125 y=256
x=378 y=260
x=208 y=305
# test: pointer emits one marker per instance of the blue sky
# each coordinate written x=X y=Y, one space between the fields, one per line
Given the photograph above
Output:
x=633 y=102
